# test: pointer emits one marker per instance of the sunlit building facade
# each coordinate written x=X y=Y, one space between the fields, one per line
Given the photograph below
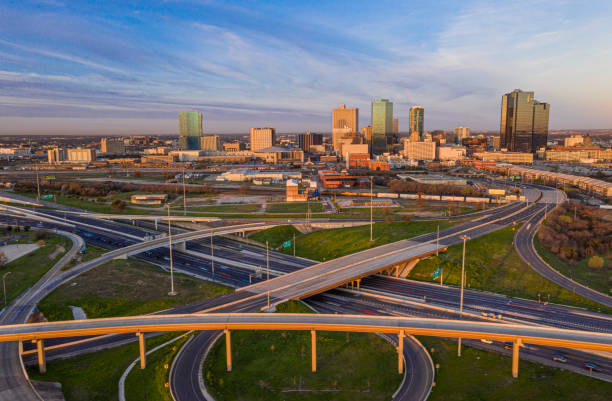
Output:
x=190 y=130
x=417 y=117
x=382 y=125
x=524 y=122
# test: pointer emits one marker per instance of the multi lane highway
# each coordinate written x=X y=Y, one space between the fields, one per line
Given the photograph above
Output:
x=256 y=253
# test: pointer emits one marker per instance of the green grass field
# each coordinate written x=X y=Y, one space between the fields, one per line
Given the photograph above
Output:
x=91 y=252
x=95 y=376
x=238 y=208
x=276 y=235
x=149 y=384
x=275 y=365
x=28 y=269
x=485 y=376
x=597 y=279
x=492 y=264
x=333 y=243
x=122 y=288
x=294 y=207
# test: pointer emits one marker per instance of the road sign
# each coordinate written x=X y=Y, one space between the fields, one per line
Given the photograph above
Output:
x=436 y=273
x=49 y=177
x=46 y=197
x=286 y=244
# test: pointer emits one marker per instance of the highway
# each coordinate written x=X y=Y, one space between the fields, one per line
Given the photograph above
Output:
x=523 y=243
x=13 y=383
x=256 y=253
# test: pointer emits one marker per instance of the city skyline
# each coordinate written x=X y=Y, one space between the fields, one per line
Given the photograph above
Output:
x=107 y=68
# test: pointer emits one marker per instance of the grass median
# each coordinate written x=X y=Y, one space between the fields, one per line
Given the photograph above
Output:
x=492 y=264
x=332 y=243
x=275 y=365
x=482 y=375
x=28 y=269
x=123 y=288
x=95 y=376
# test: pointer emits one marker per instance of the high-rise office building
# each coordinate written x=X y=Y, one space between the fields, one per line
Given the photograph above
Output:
x=524 y=122
x=210 y=142
x=460 y=133
x=112 y=145
x=382 y=125
x=305 y=141
x=344 y=122
x=417 y=114
x=262 y=138
x=190 y=130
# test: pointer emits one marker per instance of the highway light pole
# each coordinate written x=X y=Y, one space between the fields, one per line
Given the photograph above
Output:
x=371 y=207
x=267 y=262
x=172 y=292
x=212 y=252
x=4 y=285
x=437 y=238
x=184 y=196
x=464 y=238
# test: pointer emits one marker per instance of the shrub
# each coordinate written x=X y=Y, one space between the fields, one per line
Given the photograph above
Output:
x=596 y=262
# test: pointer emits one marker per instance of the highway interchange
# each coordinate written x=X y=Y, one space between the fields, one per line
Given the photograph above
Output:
x=402 y=294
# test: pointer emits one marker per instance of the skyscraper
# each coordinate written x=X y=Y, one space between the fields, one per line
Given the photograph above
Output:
x=524 y=122
x=262 y=138
x=460 y=133
x=210 y=142
x=382 y=125
x=417 y=114
x=190 y=130
x=344 y=122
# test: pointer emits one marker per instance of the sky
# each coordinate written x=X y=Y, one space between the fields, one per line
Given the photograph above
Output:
x=129 y=67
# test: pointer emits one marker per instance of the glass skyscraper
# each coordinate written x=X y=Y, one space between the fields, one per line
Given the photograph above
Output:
x=524 y=122
x=417 y=114
x=382 y=125
x=190 y=130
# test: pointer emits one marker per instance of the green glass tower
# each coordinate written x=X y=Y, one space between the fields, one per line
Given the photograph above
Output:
x=382 y=125
x=417 y=114
x=524 y=122
x=190 y=130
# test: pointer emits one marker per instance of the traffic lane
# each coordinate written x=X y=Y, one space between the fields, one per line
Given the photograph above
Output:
x=361 y=303
x=557 y=315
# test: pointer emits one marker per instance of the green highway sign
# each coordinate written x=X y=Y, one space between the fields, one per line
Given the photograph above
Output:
x=46 y=197
x=286 y=244
x=436 y=273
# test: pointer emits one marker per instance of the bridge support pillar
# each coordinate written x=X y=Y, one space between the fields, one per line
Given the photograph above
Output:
x=313 y=341
x=180 y=246
x=358 y=282
x=400 y=352
x=156 y=224
x=228 y=350
x=143 y=350
x=515 y=357
x=42 y=360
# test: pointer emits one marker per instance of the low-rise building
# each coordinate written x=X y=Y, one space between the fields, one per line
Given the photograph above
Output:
x=81 y=155
x=451 y=152
x=112 y=146
x=507 y=157
x=276 y=155
x=420 y=150
x=210 y=142
x=56 y=155
x=149 y=199
x=234 y=147
x=244 y=174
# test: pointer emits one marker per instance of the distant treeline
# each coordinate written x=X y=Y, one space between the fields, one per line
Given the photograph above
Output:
x=399 y=186
x=97 y=189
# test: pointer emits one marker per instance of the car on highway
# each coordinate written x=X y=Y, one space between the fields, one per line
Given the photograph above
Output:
x=591 y=366
x=486 y=341
x=559 y=358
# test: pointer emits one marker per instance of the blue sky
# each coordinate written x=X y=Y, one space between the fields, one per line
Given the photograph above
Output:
x=130 y=67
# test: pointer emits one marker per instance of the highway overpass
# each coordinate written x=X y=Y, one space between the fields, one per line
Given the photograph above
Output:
x=518 y=334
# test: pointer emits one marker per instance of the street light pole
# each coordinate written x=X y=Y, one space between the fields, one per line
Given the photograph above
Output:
x=267 y=262
x=4 y=286
x=371 y=207
x=437 y=238
x=212 y=253
x=464 y=238
x=293 y=244
x=172 y=292
x=184 y=195
x=37 y=184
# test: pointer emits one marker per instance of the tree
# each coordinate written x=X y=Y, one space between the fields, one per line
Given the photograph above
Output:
x=596 y=262
x=243 y=189
x=118 y=204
